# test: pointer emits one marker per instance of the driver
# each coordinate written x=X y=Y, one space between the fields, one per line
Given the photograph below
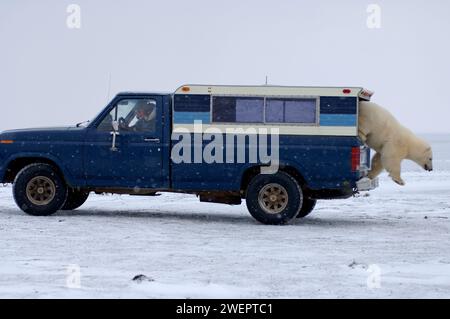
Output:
x=145 y=114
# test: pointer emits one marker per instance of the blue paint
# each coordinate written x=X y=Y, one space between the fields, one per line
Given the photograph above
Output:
x=190 y=117
x=84 y=155
x=338 y=120
x=143 y=159
x=324 y=162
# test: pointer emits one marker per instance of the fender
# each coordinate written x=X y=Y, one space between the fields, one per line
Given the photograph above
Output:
x=68 y=177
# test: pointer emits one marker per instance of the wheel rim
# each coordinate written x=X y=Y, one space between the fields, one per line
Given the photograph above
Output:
x=41 y=190
x=273 y=198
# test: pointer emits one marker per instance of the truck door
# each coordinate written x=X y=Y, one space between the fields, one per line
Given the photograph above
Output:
x=136 y=159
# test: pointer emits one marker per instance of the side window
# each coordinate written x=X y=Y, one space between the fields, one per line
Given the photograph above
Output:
x=303 y=111
x=228 y=109
x=134 y=115
x=238 y=109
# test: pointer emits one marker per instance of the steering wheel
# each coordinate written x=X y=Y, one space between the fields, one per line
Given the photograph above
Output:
x=123 y=124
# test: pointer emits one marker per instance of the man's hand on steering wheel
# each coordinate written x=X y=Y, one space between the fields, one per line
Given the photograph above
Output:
x=123 y=124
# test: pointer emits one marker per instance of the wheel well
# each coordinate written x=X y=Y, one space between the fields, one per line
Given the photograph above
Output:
x=255 y=170
x=18 y=164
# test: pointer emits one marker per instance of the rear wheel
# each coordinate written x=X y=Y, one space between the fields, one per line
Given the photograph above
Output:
x=75 y=199
x=274 y=199
x=39 y=190
x=307 y=207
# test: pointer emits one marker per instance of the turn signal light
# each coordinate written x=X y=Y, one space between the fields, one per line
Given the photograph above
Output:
x=6 y=141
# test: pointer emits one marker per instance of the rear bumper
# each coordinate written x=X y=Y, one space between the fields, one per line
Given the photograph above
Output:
x=367 y=184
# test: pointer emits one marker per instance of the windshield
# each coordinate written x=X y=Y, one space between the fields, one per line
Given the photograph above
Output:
x=86 y=123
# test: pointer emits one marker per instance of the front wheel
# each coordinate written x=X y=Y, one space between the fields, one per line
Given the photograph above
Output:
x=39 y=190
x=274 y=199
x=75 y=199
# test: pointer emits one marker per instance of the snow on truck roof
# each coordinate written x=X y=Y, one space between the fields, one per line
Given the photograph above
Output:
x=273 y=90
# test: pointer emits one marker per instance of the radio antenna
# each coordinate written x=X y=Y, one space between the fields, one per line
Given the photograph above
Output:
x=267 y=79
x=109 y=87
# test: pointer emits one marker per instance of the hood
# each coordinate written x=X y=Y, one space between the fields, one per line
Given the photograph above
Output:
x=39 y=134
x=39 y=129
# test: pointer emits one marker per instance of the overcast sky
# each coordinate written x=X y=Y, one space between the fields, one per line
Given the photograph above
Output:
x=53 y=75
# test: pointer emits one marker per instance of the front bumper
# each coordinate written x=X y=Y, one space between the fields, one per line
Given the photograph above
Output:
x=366 y=184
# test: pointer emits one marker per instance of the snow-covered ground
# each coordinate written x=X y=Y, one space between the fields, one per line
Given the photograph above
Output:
x=393 y=243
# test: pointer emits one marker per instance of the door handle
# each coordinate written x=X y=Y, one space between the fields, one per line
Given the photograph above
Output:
x=153 y=140
x=114 y=137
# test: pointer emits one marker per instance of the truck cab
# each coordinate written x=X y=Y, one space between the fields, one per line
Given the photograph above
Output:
x=145 y=143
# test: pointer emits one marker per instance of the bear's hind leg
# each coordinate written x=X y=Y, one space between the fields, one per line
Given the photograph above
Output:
x=393 y=166
x=377 y=166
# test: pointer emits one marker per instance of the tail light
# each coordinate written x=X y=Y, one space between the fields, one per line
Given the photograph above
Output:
x=364 y=162
x=356 y=158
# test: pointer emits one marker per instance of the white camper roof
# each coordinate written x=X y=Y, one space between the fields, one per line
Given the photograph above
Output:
x=272 y=90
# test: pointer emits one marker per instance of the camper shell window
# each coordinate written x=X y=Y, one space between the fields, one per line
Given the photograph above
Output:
x=299 y=111
x=271 y=110
x=238 y=109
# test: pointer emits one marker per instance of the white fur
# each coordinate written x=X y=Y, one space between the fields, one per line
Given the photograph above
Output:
x=392 y=142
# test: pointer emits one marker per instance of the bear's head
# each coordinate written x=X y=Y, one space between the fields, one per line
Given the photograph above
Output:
x=427 y=159
x=423 y=156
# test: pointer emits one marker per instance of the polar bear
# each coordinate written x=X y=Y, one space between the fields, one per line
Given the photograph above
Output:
x=392 y=142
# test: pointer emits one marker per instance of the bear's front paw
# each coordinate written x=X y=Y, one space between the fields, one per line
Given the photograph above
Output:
x=399 y=181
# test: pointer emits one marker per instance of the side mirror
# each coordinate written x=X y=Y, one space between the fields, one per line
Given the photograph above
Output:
x=115 y=126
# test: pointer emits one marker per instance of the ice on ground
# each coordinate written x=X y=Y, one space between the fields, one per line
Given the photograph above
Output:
x=392 y=243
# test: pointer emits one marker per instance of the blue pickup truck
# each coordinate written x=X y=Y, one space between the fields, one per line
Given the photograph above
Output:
x=279 y=148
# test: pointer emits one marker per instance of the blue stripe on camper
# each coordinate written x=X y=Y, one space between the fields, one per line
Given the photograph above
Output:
x=190 y=117
x=337 y=119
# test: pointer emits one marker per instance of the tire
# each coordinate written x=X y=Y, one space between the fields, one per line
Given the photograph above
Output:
x=307 y=207
x=75 y=199
x=39 y=190
x=274 y=199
